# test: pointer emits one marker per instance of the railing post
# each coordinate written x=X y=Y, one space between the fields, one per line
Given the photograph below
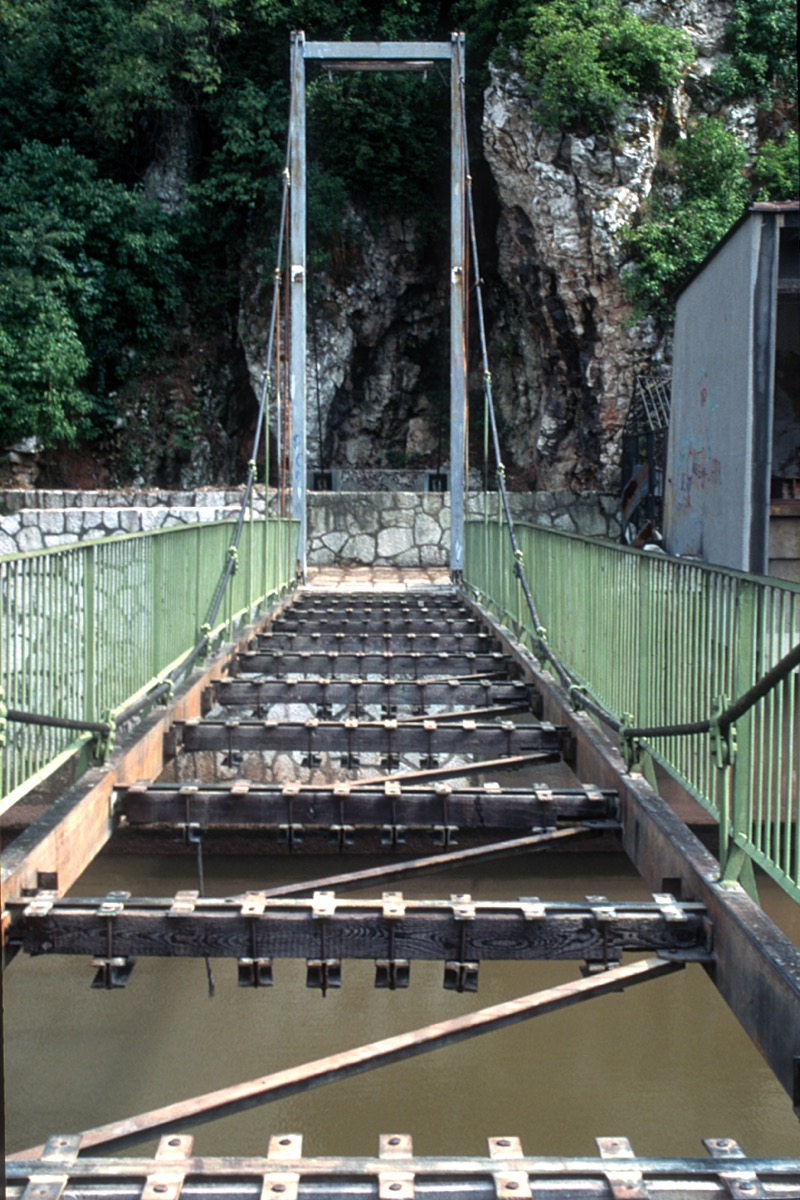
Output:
x=740 y=785
x=89 y=634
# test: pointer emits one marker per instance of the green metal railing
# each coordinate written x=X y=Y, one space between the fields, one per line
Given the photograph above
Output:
x=90 y=631
x=660 y=642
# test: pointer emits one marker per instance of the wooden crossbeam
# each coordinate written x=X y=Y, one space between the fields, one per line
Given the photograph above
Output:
x=226 y=1101
x=410 y=666
x=391 y=737
x=377 y=622
x=484 y=808
x=359 y=693
x=325 y=926
x=375 y=641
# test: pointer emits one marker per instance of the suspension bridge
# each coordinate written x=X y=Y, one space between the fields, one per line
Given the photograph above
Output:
x=198 y=682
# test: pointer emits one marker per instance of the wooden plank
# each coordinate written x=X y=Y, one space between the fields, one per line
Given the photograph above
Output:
x=410 y=666
x=261 y=927
x=393 y=737
x=362 y=692
x=255 y=1092
x=374 y=642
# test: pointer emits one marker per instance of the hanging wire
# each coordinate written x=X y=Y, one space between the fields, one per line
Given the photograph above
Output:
x=201 y=887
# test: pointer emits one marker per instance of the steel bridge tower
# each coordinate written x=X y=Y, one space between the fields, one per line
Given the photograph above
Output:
x=365 y=56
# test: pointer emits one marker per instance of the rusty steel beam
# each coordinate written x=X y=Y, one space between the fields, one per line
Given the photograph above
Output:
x=484 y=808
x=616 y=1172
x=350 y=737
x=326 y=926
x=226 y=1101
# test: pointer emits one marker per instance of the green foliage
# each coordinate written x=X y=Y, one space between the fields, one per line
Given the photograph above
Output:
x=584 y=60
x=87 y=278
x=776 y=172
x=158 y=54
x=762 y=43
x=678 y=232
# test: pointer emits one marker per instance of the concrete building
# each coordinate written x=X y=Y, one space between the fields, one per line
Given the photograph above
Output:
x=732 y=493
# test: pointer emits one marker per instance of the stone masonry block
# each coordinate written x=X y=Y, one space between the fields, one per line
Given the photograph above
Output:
x=392 y=542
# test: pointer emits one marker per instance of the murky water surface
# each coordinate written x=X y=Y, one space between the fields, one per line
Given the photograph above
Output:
x=663 y=1064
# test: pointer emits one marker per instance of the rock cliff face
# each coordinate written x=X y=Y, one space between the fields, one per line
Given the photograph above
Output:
x=563 y=344
x=376 y=371
x=566 y=349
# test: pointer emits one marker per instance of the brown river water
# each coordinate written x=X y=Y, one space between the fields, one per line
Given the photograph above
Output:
x=664 y=1064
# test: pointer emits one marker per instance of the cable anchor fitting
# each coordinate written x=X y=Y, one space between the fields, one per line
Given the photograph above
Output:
x=630 y=747
x=205 y=636
x=540 y=647
x=724 y=739
x=233 y=557
x=104 y=742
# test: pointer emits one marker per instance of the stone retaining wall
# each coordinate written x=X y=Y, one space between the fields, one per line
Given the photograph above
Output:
x=402 y=529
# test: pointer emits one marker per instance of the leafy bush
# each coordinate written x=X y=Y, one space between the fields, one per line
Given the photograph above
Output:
x=776 y=171
x=677 y=233
x=762 y=43
x=584 y=60
x=87 y=280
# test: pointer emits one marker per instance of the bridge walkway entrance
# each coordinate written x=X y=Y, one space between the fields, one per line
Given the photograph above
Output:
x=393 y=718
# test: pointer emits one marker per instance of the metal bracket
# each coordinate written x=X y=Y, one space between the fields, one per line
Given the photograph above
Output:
x=461 y=976
x=112 y=972
x=255 y=972
x=396 y=1185
x=323 y=904
x=323 y=973
x=625 y=1182
x=184 y=904
x=41 y=904
x=392 y=973
x=740 y=1184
